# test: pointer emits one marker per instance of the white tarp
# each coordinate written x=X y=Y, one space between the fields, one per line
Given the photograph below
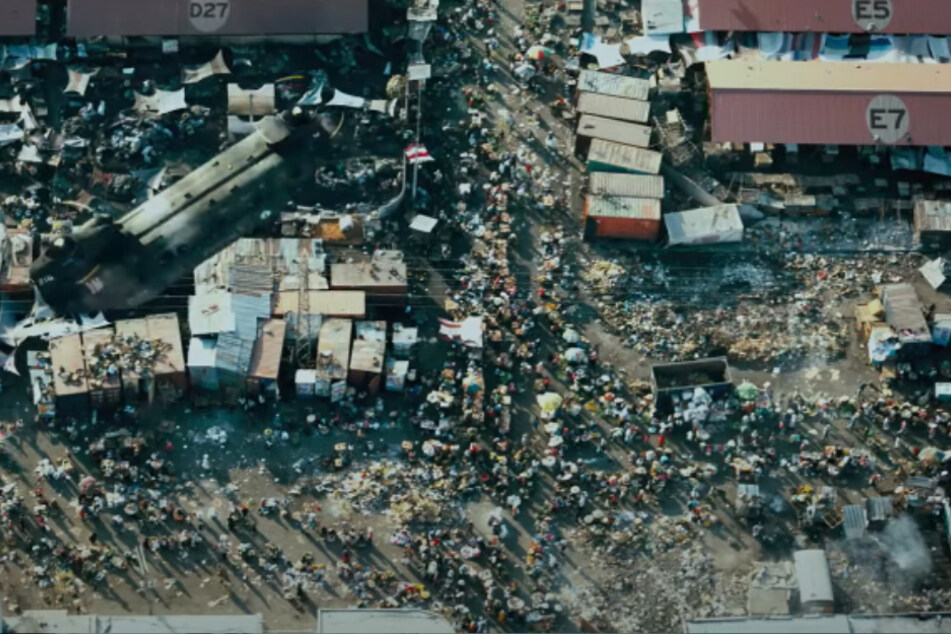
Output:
x=251 y=103
x=162 y=102
x=707 y=225
x=468 y=332
x=217 y=66
x=10 y=133
x=79 y=81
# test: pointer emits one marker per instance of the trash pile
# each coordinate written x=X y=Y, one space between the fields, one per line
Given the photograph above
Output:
x=126 y=353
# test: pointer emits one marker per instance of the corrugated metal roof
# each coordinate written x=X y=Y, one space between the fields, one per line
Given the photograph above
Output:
x=624 y=156
x=210 y=313
x=233 y=354
x=854 y=521
x=636 y=185
x=614 y=130
x=17 y=17
x=614 y=107
x=903 y=313
x=338 y=303
x=879 y=509
x=827 y=76
x=617 y=85
x=815 y=579
x=250 y=278
x=93 y=339
x=92 y=18
x=707 y=225
x=821 y=16
x=622 y=207
x=248 y=309
x=167 y=329
x=266 y=359
x=132 y=328
x=662 y=17
x=202 y=352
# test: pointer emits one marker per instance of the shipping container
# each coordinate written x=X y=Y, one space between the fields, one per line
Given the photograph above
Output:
x=815 y=582
x=633 y=185
x=266 y=357
x=904 y=314
x=333 y=354
x=592 y=127
x=615 y=85
x=706 y=225
x=206 y=18
x=839 y=103
x=826 y=16
x=69 y=376
x=711 y=375
x=622 y=217
x=607 y=156
x=614 y=107
x=105 y=388
x=171 y=379
x=17 y=18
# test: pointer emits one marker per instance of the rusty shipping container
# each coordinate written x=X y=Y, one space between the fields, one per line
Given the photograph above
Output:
x=622 y=217
x=827 y=16
x=829 y=103
x=17 y=18
x=127 y=18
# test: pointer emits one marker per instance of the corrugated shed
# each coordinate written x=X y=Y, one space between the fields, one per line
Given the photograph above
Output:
x=617 y=85
x=903 y=313
x=854 y=521
x=635 y=185
x=828 y=77
x=18 y=18
x=250 y=279
x=266 y=358
x=879 y=509
x=823 y=16
x=622 y=207
x=707 y=225
x=614 y=107
x=662 y=17
x=610 y=156
x=233 y=354
x=92 y=18
x=614 y=130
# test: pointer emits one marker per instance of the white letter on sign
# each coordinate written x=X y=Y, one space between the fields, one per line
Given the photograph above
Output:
x=872 y=15
x=209 y=15
x=887 y=119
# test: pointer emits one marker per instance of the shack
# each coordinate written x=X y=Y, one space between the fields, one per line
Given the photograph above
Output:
x=622 y=217
x=612 y=107
x=368 y=355
x=591 y=127
x=815 y=582
x=608 y=156
x=304 y=382
x=333 y=354
x=904 y=314
x=383 y=278
x=105 y=385
x=69 y=376
x=396 y=371
x=404 y=340
x=342 y=304
x=266 y=358
x=202 y=364
x=632 y=185
x=932 y=220
x=707 y=225
x=712 y=375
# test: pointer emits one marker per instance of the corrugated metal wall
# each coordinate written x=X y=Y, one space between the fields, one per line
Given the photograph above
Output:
x=820 y=118
x=821 y=16
x=17 y=17
x=90 y=18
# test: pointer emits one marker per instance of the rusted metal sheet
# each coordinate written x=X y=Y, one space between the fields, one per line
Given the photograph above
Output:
x=17 y=17
x=833 y=118
x=827 y=16
x=91 y=18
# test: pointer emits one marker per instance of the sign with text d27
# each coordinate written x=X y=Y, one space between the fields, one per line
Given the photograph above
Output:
x=887 y=119
x=208 y=16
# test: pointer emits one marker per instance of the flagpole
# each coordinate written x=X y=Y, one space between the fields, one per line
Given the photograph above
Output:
x=419 y=119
